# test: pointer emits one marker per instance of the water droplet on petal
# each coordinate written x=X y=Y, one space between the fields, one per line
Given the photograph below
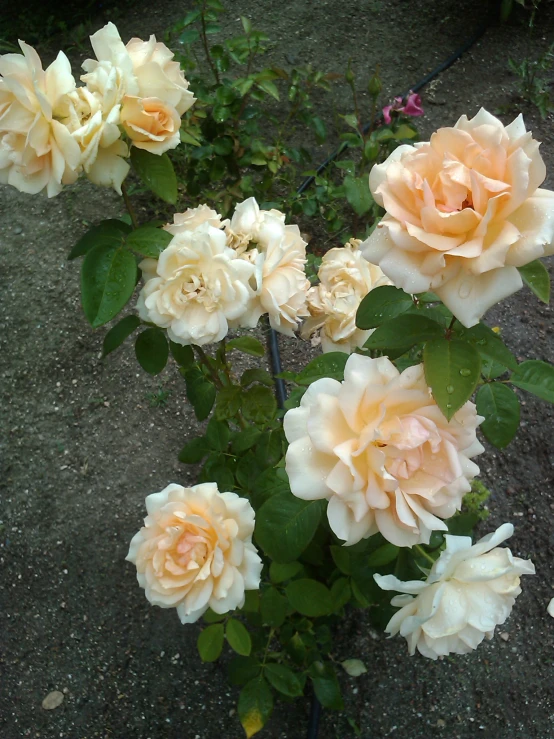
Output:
x=464 y=291
x=465 y=372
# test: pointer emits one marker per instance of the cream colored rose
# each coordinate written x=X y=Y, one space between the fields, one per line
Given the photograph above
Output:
x=279 y=255
x=93 y=122
x=345 y=278
x=194 y=217
x=463 y=212
x=195 y=550
x=201 y=288
x=469 y=591
x=37 y=152
x=150 y=124
x=379 y=449
x=157 y=75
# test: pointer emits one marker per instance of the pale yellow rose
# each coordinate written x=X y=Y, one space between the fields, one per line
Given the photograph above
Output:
x=194 y=217
x=380 y=450
x=37 y=152
x=198 y=289
x=150 y=124
x=463 y=212
x=470 y=590
x=345 y=278
x=195 y=550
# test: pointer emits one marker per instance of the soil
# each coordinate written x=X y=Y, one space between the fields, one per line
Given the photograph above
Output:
x=83 y=442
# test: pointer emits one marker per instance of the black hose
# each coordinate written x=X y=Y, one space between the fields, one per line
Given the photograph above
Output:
x=273 y=342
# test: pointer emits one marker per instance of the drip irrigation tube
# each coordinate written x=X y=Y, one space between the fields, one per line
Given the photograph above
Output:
x=272 y=339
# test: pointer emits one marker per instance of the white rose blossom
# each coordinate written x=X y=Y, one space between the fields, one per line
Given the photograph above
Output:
x=198 y=288
x=470 y=590
x=194 y=217
x=345 y=278
x=37 y=152
x=380 y=450
x=464 y=210
x=195 y=550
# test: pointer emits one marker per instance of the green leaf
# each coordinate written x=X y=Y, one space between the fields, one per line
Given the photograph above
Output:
x=403 y=332
x=330 y=364
x=254 y=706
x=283 y=679
x=210 y=617
x=183 y=355
x=536 y=377
x=248 y=345
x=326 y=685
x=194 y=451
x=462 y=524
x=500 y=407
x=341 y=593
x=218 y=435
x=245 y=440
x=341 y=557
x=488 y=344
x=238 y=637
x=156 y=172
x=152 y=350
x=246 y=24
x=285 y=525
x=382 y=556
x=243 y=669
x=310 y=597
x=111 y=232
x=452 y=370
x=258 y=404
x=256 y=375
x=281 y=572
x=108 y=279
x=404 y=131
x=382 y=304
x=358 y=194
x=228 y=402
x=273 y=607
x=148 y=241
x=269 y=87
x=535 y=275
x=118 y=333
x=319 y=129
x=210 y=643
x=200 y=393
x=354 y=667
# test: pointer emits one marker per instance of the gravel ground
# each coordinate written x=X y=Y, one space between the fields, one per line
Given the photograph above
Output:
x=82 y=444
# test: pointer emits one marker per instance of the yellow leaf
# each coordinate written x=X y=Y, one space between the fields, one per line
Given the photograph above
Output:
x=252 y=722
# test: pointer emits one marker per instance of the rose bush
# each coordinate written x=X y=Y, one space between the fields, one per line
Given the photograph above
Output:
x=195 y=550
x=379 y=449
x=470 y=590
x=463 y=211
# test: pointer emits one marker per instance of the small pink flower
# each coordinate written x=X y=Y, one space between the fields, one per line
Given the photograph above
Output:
x=397 y=105
x=413 y=105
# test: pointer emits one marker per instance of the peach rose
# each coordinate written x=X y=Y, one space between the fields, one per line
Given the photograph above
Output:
x=194 y=217
x=463 y=212
x=345 y=278
x=195 y=550
x=198 y=288
x=470 y=590
x=37 y=152
x=379 y=449
x=150 y=124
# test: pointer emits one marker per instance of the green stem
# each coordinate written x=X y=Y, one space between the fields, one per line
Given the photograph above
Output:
x=128 y=205
x=269 y=638
x=207 y=48
x=424 y=554
x=206 y=362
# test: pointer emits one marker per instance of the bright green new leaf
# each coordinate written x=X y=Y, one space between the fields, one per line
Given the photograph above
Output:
x=500 y=407
x=452 y=370
x=238 y=637
x=118 y=333
x=382 y=304
x=157 y=173
x=404 y=332
x=255 y=706
x=108 y=279
x=210 y=643
x=111 y=232
x=310 y=597
x=148 y=241
x=248 y=345
x=536 y=377
x=535 y=275
x=285 y=525
x=358 y=194
x=283 y=679
x=152 y=350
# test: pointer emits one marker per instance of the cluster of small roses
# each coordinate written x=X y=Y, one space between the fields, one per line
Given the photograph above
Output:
x=215 y=275
x=51 y=130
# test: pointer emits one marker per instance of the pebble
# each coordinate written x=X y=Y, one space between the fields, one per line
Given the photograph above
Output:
x=504 y=635
x=17 y=230
x=53 y=700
